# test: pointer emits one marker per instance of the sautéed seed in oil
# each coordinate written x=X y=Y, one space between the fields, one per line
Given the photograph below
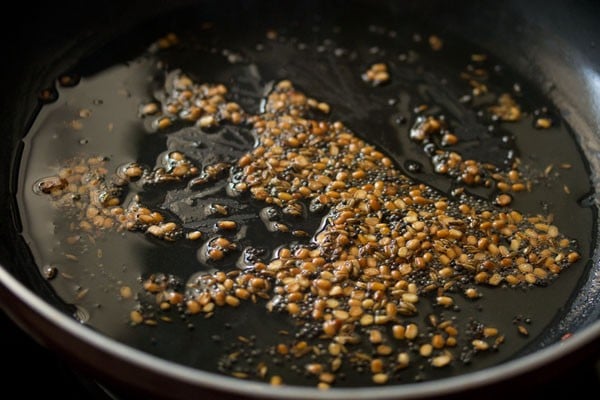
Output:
x=353 y=223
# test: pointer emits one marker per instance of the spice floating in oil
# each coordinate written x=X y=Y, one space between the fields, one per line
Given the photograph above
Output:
x=144 y=175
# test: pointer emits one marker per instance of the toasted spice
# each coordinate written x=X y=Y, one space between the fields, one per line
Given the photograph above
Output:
x=387 y=244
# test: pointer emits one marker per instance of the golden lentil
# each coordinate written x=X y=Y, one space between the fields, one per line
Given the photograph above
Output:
x=366 y=257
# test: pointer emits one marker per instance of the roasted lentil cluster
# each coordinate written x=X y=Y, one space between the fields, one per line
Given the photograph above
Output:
x=387 y=243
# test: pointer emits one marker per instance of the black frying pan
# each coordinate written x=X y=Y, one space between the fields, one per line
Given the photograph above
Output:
x=551 y=47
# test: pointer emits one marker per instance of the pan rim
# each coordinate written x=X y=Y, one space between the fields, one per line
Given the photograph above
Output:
x=209 y=380
x=196 y=377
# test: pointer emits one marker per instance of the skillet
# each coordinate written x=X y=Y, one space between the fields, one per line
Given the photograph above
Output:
x=554 y=52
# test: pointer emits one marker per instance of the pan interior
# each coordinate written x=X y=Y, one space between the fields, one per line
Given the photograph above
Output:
x=97 y=112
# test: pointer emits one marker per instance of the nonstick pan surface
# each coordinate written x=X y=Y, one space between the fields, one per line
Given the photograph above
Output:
x=60 y=55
